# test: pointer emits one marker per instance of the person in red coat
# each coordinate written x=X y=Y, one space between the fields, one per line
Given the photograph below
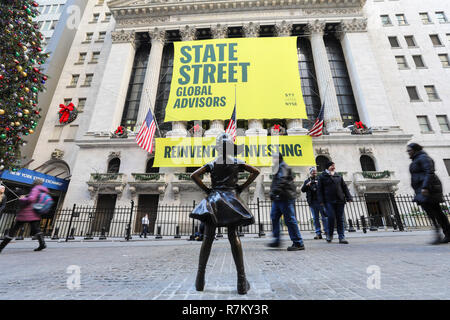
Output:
x=28 y=215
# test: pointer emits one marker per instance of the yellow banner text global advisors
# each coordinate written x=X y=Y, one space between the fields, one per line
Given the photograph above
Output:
x=254 y=150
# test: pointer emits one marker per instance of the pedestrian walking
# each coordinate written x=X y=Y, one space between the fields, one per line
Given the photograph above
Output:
x=333 y=193
x=145 y=222
x=3 y=199
x=428 y=190
x=310 y=188
x=283 y=194
x=223 y=207
x=27 y=214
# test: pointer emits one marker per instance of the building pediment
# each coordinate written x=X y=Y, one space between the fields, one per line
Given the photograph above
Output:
x=154 y=8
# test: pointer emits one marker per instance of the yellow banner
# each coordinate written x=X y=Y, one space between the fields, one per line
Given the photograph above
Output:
x=259 y=75
x=254 y=150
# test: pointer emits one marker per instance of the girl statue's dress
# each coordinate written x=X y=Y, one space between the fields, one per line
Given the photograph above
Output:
x=223 y=207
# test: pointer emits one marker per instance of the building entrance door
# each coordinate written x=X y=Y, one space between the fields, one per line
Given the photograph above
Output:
x=379 y=209
x=147 y=204
x=104 y=212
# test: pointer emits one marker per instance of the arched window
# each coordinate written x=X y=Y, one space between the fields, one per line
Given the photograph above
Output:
x=321 y=162
x=149 y=168
x=114 y=165
x=367 y=163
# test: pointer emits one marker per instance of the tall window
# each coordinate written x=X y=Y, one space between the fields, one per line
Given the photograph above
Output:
x=418 y=61
x=101 y=36
x=440 y=15
x=394 y=42
x=88 y=80
x=95 y=56
x=410 y=41
x=435 y=40
x=401 y=19
x=321 y=162
x=385 y=20
x=149 y=168
x=131 y=108
x=344 y=92
x=89 y=36
x=309 y=82
x=425 y=17
x=367 y=163
x=401 y=62
x=107 y=17
x=81 y=104
x=443 y=123
x=413 y=95
x=74 y=80
x=432 y=93
x=95 y=17
x=114 y=165
x=165 y=77
x=424 y=124
x=81 y=57
x=444 y=60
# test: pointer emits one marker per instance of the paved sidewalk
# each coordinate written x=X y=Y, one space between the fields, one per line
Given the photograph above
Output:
x=410 y=268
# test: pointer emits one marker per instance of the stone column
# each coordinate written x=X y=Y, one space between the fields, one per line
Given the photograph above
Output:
x=294 y=126
x=332 y=114
x=370 y=94
x=150 y=88
x=255 y=126
x=179 y=127
x=113 y=89
x=219 y=31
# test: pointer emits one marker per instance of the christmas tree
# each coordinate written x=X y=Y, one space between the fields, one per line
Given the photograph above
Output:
x=21 y=80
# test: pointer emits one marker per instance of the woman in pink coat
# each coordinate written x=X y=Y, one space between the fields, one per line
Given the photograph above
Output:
x=27 y=215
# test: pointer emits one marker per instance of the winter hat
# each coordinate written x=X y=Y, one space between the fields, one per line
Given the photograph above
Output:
x=311 y=169
x=329 y=163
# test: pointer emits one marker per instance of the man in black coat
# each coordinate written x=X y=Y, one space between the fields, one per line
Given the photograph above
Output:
x=283 y=194
x=310 y=188
x=428 y=190
x=333 y=194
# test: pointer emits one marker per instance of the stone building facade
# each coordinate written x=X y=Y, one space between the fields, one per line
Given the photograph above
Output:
x=362 y=58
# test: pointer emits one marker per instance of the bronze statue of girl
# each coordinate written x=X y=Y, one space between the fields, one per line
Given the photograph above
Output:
x=223 y=207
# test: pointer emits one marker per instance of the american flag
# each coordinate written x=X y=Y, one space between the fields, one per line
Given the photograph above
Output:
x=145 y=136
x=316 y=130
x=231 y=128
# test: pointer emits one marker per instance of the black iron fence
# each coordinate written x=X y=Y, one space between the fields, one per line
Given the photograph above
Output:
x=364 y=213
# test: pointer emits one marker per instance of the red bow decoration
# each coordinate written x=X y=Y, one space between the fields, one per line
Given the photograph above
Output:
x=196 y=128
x=65 y=112
x=119 y=130
x=276 y=127
x=359 y=125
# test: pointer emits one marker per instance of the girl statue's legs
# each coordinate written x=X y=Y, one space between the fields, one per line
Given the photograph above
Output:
x=236 y=248
x=208 y=239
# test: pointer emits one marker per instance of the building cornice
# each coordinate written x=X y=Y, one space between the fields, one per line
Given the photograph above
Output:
x=142 y=12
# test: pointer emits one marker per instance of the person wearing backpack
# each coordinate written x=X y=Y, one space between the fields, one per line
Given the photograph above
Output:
x=27 y=214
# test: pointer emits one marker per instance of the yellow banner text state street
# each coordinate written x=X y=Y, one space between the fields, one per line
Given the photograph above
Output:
x=259 y=75
x=254 y=150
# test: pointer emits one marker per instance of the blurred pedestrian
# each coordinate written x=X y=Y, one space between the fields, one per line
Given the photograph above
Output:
x=2 y=199
x=145 y=222
x=283 y=194
x=310 y=188
x=27 y=214
x=333 y=193
x=428 y=190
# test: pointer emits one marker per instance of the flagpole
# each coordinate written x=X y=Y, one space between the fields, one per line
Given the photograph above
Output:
x=156 y=122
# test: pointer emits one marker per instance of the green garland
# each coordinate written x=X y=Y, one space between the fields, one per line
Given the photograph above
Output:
x=376 y=175
x=183 y=176
x=101 y=177
x=146 y=176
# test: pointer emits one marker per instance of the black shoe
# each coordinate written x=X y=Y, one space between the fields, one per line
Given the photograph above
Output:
x=274 y=244
x=343 y=241
x=140 y=236
x=296 y=247
x=445 y=240
x=318 y=236
x=329 y=239
x=42 y=245
x=200 y=280
x=242 y=284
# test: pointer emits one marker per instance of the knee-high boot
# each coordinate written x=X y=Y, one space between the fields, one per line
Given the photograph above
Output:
x=40 y=237
x=5 y=242
x=204 y=256
x=236 y=249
